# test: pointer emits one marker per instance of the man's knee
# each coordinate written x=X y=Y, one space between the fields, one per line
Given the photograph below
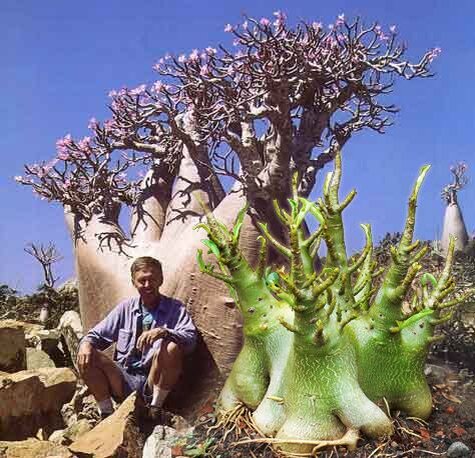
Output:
x=169 y=353
x=173 y=351
x=99 y=361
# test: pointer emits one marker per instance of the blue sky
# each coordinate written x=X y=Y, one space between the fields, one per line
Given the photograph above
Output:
x=60 y=59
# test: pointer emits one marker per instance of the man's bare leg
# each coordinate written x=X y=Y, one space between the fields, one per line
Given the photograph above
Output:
x=104 y=380
x=167 y=365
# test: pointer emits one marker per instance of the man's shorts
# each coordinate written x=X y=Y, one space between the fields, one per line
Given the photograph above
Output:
x=133 y=381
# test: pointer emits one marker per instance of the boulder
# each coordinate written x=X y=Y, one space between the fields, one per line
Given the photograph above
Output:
x=44 y=339
x=71 y=330
x=117 y=435
x=47 y=340
x=32 y=399
x=33 y=448
x=159 y=443
x=71 y=433
x=12 y=346
x=36 y=359
x=31 y=328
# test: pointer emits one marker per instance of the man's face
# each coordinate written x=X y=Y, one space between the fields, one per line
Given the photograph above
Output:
x=147 y=281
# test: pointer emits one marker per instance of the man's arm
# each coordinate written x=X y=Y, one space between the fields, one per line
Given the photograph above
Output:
x=100 y=337
x=105 y=333
x=184 y=332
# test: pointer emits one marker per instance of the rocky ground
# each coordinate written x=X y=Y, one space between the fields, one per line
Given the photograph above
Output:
x=45 y=411
x=452 y=424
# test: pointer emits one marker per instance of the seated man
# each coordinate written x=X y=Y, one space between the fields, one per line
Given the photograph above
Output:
x=152 y=333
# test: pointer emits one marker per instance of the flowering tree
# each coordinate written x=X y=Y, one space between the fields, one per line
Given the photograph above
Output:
x=219 y=128
x=453 y=220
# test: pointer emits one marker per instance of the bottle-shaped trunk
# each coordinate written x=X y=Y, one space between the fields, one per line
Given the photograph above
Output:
x=454 y=225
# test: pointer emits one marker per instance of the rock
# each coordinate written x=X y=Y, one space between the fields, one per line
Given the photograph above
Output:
x=47 y=340
x=159 y=443
x=12 y=346
x=437 y=373
x=74 y=432
x=70 y=434
x=117 y=435
x=31 y=328
x=44 y=339
x=458 y=450
x=81 y=406
x=71 y=329
x=36 y=359
x=57 y=437
x=33 y=448
x=30 y=400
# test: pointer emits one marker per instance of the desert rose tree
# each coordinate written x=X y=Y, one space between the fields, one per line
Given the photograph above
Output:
x=454 y=223
x=282 y=100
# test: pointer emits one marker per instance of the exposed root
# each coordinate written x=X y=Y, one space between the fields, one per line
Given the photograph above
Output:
x=349 y=440
x=233 y=420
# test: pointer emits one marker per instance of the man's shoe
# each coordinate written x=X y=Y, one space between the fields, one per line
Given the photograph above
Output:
x=155 y=414
x=160 y=416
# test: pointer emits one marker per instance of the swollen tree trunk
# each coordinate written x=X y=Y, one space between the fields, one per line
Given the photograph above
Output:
x=454 y=225
x=164 y=230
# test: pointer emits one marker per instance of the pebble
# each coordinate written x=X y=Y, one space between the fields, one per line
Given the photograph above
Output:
x=458 y=450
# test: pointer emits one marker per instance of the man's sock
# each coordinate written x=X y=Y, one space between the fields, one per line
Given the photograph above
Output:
x=159 y=396
x=105 y=406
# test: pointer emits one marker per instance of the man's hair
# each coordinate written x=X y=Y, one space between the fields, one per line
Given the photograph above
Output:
x=145 y=262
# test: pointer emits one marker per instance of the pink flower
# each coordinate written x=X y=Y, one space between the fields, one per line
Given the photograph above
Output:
x=63 y=143
x=264 y=22
x=85 y=144
x=434 y=53
x=67 y=183
x=317 y=25
x=392 y=29
x=204 y=70
x=18 y=178
x=228 y=28
x=109 y=124
x=280 y=15
x=63 y=155
x=157 y=86
x=139 y=90
x=92 y=123
x=211 y=51
x=182 y=59
x=245 y=25
x=280 y=18
x=112 y=93
x=194 y=56
x=341 y=20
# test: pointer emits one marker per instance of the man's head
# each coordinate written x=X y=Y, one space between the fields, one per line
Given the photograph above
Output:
x=147 y=277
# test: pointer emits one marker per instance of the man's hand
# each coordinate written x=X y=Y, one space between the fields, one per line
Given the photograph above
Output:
x=84 y=358
x=149 y=337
